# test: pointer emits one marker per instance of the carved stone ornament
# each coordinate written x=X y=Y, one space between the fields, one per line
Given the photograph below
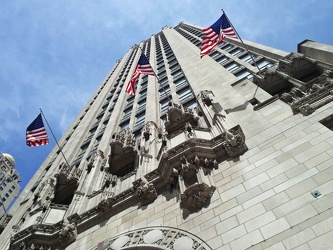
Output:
x=314 y=95
x=96 y=156
x=104 y=204
x=64 y=169
x=300 y=81
x=109 y=179
x=146 y=131
x=155 y=238
x=188 y=170
x=205 y=97
x=196 y=197
x=146 y=191
x=177 y=117
x=68 y=233
x=235 y=142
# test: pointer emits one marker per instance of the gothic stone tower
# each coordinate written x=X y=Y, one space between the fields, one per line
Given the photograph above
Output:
x=215 y=155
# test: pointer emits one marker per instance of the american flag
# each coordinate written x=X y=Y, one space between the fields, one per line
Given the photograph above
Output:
x=36 y=134
x=144 y=68
x=215 y=34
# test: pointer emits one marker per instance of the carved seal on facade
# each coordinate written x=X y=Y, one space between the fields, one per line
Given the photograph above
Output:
x=196 y=197
x=146 y=191
x=68 y=233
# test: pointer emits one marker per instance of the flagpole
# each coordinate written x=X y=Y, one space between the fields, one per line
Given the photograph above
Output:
x=244 y=47
x=53 y=135
x=158 y=80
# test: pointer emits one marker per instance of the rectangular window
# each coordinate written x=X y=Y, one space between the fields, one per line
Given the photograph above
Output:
x=140 y=119
x=164 y=92
x=215 y=54
x=82 y=151
x=227 y=47
x=141 y=105
x=127 y=113
x=124 y=125
x=143 y=95
x=130 y=101
x=180 y=84
x=222 y=44
x=236 y=52
x=242 y=74
x=185 y=94
x=177 y=73
x=224 y=59
x=191 y=104
x=263 y=64
x=162 y=68
x=162 y=74
x=164 y=105
x=144 y=86
x=91 y=133
x=231 y=66
x=247 y=58
x=97 y=141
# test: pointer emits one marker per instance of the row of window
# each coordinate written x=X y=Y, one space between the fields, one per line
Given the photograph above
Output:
x=141 y=101
x=228 y=63
x=105 y=111
x=183 y=90
x=6 y=195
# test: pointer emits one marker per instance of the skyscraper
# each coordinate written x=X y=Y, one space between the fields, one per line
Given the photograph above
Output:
x=230 y=151
x=9 y=187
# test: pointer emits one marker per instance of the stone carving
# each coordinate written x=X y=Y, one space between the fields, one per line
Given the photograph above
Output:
x=173 y=180
x=109 y=179
x=205 y=97
x=177 y=117
x=76 y=173
x=93 y=161
x=64 y=169
x=46 y=204
x=159 y=132
x=189 y=129
x=235 y=146
x=312 y=96
x=146 y=131
x=123 y=154
x=24 y=246
x=146 y=191
x=187 y=170
x=206 y=164
x=68 y=233
x=196 y=197
x=156 y=237
x=39 y=219
x=104 y=204
x=300 y=82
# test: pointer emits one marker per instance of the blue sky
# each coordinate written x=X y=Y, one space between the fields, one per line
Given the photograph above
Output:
x=55 y=54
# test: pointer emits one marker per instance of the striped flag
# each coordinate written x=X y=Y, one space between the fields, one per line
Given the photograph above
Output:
x=36 y=134
x=215 y=34
x=144 y=68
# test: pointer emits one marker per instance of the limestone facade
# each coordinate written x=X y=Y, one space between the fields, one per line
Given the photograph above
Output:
x=216 y=154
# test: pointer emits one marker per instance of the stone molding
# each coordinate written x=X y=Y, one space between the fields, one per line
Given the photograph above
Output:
x=302 y=82
x=157 y=238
